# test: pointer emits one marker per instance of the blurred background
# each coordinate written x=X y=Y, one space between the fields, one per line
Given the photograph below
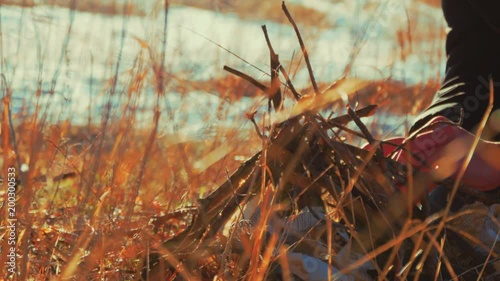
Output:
x=70 y=57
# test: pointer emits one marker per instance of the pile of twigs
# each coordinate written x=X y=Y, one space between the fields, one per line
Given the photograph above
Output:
x=304 y=165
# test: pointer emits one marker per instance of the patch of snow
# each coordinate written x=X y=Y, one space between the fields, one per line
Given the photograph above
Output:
x=33 y=40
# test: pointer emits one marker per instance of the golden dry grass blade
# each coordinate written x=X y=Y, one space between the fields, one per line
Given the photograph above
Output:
x=314 y=103
x=70 y=270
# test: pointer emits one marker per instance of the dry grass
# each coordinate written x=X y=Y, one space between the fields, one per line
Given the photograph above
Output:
x=105 y=201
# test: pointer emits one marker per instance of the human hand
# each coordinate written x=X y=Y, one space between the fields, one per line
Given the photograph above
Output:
x=441 y=150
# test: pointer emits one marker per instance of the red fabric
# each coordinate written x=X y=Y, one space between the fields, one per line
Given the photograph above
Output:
x=442 y=150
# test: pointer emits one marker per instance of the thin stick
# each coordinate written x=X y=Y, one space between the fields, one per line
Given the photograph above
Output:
x=354 y=116
x=344 y=119
x=280 y=67
x=302 y=46
x=275 y=91
x=296 y=94
x=247 y=77
x=379 y=155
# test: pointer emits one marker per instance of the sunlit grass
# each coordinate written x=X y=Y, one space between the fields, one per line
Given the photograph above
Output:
x=103 y=200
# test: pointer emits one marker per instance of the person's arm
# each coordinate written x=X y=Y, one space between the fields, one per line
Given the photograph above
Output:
x=439 y=153
x=489 y=10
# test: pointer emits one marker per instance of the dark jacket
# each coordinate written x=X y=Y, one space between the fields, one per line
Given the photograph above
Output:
x=473 y=50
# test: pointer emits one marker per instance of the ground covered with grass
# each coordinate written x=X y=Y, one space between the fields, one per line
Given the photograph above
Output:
x=130 y=195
